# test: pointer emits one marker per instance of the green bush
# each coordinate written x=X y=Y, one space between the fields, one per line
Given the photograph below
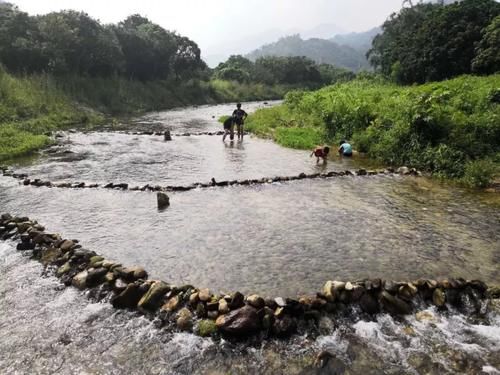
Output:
x=436 y=127
x=480 y=173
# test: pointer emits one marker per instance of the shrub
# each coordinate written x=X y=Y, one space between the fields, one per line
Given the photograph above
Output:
x=479 y=173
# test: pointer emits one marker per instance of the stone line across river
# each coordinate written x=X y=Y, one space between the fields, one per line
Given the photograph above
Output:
x=188 y=308
x=265 y=180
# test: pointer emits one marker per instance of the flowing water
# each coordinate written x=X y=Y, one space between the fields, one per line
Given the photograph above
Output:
x=277 y=239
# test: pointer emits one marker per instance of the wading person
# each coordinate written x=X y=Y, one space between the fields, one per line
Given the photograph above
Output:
x=228 y=128
x=345 y=149
x=321 y=153
x=239 y=116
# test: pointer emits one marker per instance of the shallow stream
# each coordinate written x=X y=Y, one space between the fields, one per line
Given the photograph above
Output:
x=278 y=239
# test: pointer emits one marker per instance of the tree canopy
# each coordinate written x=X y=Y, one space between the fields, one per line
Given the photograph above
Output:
x=280 y=70
x=73 y=42
x=432 y=42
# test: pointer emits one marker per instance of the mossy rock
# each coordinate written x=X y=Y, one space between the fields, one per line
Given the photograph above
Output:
x=206 y=328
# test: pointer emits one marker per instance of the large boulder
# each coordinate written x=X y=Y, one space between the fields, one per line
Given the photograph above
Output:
x=129 y=297
x=369 y=304
x=152 y=299
x=240 y=322
x=80 y=280
x=394 y=305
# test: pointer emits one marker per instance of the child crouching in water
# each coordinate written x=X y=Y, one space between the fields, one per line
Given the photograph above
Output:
x=228 y=128
x=320 y=152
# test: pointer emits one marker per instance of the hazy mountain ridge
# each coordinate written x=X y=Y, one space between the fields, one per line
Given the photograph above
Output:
x=343 y=50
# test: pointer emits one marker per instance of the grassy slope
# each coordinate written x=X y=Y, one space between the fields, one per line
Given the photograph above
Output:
x=32 y=106
x=450 y=128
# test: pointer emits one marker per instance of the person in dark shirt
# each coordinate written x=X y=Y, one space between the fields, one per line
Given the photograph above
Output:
x=239 y=117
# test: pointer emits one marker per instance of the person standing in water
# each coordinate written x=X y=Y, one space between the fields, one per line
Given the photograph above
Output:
x=228 y=128
x=239 y=117
x=345 y=149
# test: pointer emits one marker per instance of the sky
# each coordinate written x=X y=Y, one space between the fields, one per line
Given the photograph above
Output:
x=220 y=26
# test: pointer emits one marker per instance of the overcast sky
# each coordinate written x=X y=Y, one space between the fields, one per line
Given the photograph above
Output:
x=214 y=23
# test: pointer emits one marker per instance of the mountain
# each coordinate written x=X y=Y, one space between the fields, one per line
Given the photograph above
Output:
x=219 y=52
x=359 y=41
x=320 y=50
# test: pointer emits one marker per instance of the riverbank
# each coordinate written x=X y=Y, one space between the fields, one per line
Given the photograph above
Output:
x=450 y=129
x=33 y=106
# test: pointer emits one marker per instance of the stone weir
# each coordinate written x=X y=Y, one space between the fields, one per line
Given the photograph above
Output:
x=24 y=178
x=205 y=313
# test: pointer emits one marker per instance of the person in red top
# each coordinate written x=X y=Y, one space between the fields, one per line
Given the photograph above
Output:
x=321 y=152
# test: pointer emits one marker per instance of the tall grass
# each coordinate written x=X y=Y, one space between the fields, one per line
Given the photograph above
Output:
x=31 y=106
x=438 y=127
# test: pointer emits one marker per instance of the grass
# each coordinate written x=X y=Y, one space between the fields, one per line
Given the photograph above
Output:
x=450 y=128
x=33 y=106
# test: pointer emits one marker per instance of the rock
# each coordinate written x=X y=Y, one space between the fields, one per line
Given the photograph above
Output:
x=24 y=246
x=394 y=305
x=109 y=277
x=184 y=319
x=407 y=291
x=362 y=172
x=223 y=306
x=212 y=314
x=172 y=304
x=204 y=295
x=425 y=316
x=369 y=304
x=80 y=280
x=284 y=326
x=325 y=325
x=152 y=299
x=163 y=200
x=66 y=245
x=438 y=297
x=194 y=298
x=139 y=273
x=403 y=170
x=409 y=331
x=95 y=276
x=256 y=301
x=120 y=285
x=237 y=301
x=201 y=311
x=95 y=259
x=129 y=297
x=494 y=292
x=50 y=255
x=65 y=268
x=280 y=302
x=206 y=328
x=243 y=321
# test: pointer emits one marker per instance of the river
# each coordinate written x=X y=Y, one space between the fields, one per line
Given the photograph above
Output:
x=276 y=239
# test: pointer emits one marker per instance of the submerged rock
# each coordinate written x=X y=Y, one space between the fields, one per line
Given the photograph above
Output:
x=163 y=200
x=243 y=321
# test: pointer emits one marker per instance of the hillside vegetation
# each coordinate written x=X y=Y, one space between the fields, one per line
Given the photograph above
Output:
x=450 y=128
x=322 y=51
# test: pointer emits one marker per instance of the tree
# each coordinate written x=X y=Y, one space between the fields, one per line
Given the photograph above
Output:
x=429 y=42
x=487 y=60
